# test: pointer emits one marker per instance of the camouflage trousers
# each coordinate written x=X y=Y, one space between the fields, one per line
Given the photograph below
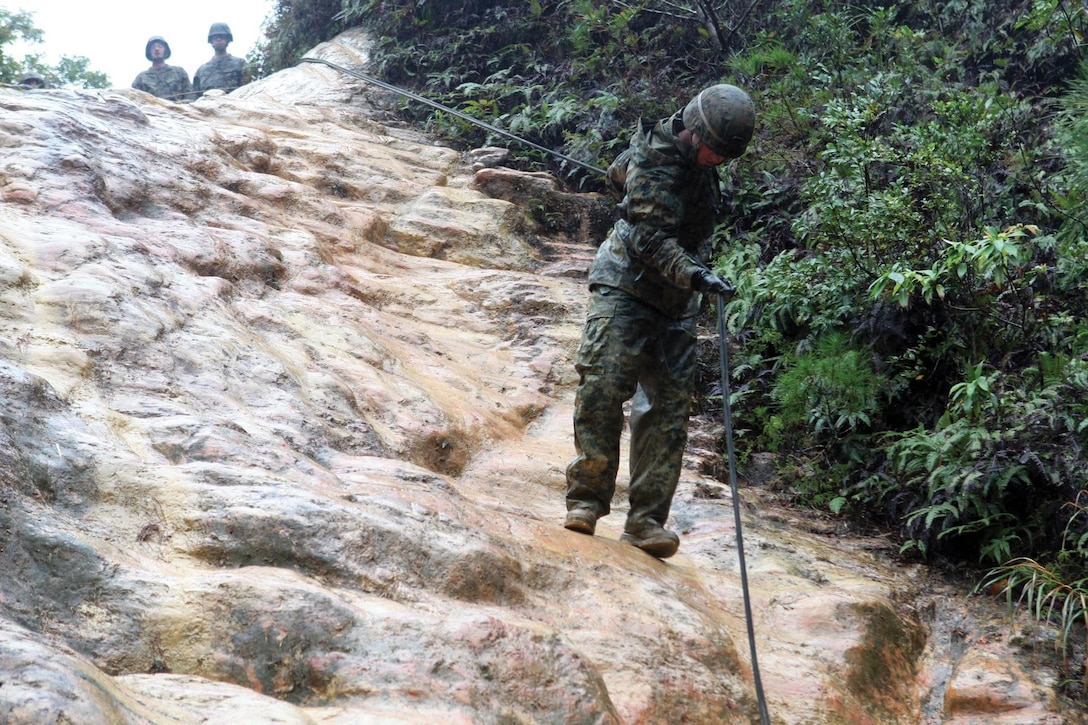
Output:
x=630 y=351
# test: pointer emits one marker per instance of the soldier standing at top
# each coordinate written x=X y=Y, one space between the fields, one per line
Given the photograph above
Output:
x=223 y=70
x=165 y=81
x=639 y=339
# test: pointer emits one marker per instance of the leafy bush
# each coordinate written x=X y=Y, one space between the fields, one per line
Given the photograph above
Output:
x=1071 y=182
x=829 y=393
x=994 y=475
x=296 y=27
x=923 y=233
x=1054 y=593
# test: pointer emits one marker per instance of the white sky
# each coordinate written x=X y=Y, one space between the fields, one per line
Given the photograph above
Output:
x=113 y=33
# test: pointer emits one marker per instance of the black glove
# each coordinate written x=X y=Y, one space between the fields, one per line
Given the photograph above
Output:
x=703 y=280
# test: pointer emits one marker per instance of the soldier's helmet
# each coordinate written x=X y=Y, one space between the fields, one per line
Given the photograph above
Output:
x=724 y=117
x=220 y=29
x=32 y=78
x=156 y=39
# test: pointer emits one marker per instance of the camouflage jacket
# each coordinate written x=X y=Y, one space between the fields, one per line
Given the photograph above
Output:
x=670 y=207
x=226 y=72
x=168 y=81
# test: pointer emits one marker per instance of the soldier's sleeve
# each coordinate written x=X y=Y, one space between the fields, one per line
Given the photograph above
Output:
x=617 y=174
x=186 y=87
x=655 y=211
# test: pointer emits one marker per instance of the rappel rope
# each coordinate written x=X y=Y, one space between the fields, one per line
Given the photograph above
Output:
x=453 y=112
x=764 y=715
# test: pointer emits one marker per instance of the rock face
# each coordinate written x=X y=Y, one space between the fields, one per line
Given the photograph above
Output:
x=286 y=405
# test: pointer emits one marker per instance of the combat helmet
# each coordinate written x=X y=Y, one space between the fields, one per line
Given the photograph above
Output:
x=220 y=29
x=32 y=77
x=724 y=117
x=156 y=39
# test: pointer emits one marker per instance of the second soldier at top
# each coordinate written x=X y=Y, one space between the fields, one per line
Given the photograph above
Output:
x=223 y=71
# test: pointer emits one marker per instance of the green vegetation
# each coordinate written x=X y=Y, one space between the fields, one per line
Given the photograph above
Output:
x=71 y=70
x=295 y=27
x=907 y=233
x=1054 y=593
x=15 y=27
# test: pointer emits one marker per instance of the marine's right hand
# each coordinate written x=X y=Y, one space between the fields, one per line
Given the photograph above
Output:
x=703 y=280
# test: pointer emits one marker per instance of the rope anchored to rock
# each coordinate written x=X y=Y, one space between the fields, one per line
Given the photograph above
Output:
x=454 y=112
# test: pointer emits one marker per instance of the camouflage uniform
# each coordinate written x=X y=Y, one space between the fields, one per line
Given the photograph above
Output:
x=166 y=81
x=639 y=336
x=222 y=71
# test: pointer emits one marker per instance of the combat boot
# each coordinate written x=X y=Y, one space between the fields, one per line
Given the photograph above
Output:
x=653 y=538
x=582 y=520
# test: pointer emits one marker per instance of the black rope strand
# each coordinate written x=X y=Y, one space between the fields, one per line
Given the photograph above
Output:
x=453 y=112
x=764 y=716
